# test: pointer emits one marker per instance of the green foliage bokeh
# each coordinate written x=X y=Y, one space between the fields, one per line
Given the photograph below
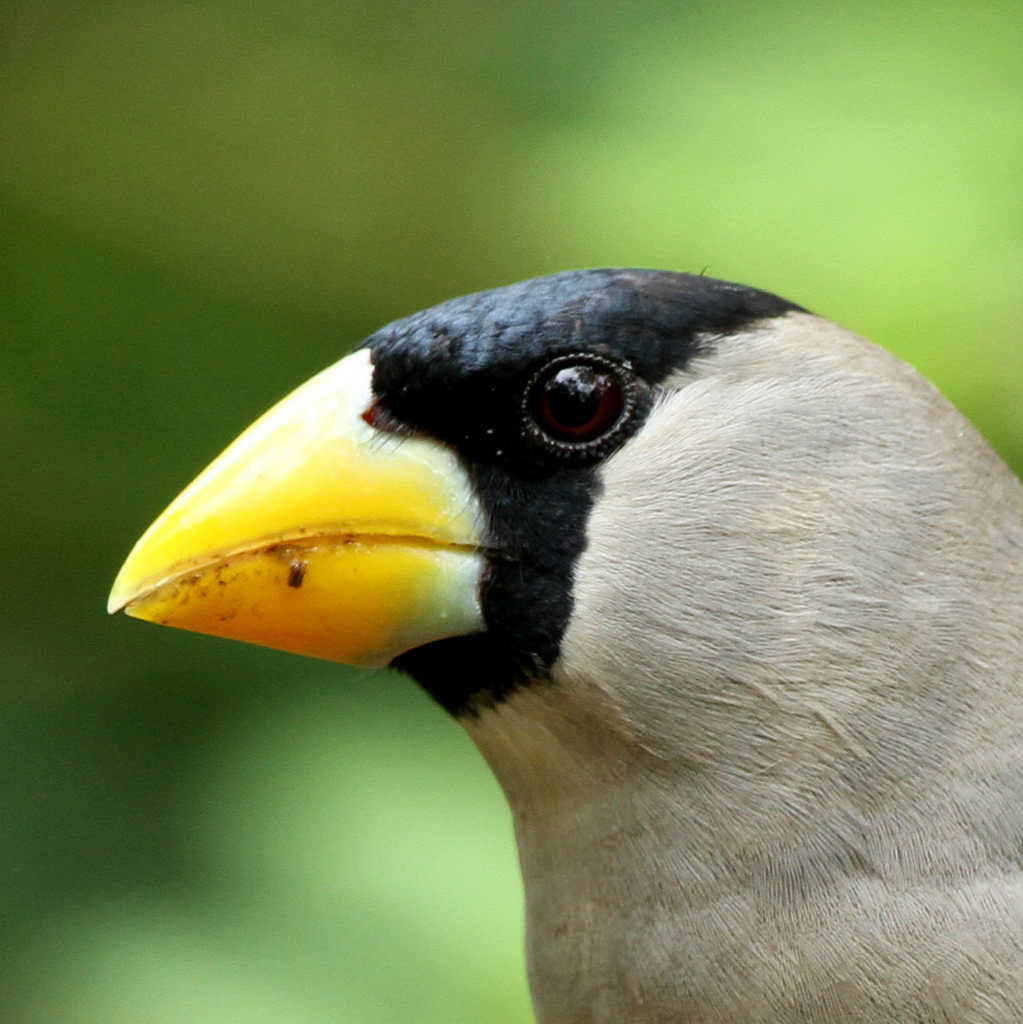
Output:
x=204 y=203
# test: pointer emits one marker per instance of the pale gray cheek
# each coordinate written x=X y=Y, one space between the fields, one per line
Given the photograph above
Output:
x=777 y=528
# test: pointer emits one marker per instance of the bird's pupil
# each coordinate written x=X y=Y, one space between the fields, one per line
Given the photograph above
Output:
x=574 y=393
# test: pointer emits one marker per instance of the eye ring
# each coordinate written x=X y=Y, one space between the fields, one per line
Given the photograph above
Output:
x=580 y=404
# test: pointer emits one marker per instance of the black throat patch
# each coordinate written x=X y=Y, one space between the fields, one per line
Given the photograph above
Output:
x=459 y=371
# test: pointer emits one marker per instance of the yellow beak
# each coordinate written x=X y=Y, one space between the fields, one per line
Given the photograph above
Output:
x=315 y=533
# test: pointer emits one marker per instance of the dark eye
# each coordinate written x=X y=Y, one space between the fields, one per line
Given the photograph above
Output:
x=575 y=403
x=578 y=403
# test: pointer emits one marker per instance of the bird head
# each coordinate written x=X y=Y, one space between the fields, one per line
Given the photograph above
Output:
x=601 y=474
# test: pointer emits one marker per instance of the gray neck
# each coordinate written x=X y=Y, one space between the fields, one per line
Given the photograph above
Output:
x=662 y=889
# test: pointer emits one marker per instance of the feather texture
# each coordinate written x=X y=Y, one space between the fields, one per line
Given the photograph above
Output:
x=778 y=772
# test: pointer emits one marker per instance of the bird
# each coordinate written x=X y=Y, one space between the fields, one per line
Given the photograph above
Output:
x=729 y=598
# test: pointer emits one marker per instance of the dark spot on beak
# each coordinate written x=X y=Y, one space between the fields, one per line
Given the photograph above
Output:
x=296 y=573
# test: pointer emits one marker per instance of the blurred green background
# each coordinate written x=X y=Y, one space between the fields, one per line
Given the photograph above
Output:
x=203 y=204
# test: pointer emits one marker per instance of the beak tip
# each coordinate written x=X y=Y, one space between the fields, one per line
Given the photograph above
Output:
x=120 y=596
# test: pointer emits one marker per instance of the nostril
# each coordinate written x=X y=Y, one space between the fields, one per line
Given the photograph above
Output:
x=379 y=418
